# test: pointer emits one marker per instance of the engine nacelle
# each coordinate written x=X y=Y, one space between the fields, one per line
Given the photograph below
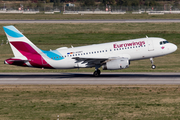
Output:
x=116 y=64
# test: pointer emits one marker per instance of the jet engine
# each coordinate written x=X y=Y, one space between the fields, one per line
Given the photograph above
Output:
x=116 y=64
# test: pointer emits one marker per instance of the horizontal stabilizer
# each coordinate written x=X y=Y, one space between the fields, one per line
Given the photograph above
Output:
x=14 y=61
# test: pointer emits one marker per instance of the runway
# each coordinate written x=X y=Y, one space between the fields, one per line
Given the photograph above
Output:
x=88 y=79
x=94 y=21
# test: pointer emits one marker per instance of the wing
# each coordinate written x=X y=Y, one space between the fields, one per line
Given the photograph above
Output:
x=91 y=62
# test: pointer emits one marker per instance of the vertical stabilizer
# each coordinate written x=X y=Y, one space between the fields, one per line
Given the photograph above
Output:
x=20 y=45
x=25 y=52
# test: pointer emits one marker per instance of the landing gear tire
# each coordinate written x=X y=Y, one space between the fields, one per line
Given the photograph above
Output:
x=153 y=67
x=152 y=62
x=97 y=73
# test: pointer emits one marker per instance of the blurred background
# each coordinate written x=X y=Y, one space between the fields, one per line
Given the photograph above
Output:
x=91 y=6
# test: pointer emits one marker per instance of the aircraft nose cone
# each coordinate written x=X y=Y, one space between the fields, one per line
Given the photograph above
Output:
x=173 y=47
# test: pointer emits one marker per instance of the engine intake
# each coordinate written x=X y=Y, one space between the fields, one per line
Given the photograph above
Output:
x=116 y=64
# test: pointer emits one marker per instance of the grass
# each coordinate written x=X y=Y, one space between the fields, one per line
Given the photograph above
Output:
x=89 y=102
x=84 y=17
x=52 y=36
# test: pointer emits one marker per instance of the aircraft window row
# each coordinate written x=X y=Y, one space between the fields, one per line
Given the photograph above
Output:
x=163 y=42
x=58 y=57
x=79 y=54
x=97 y=52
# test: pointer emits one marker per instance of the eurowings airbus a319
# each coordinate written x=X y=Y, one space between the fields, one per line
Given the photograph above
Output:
x=111 y=56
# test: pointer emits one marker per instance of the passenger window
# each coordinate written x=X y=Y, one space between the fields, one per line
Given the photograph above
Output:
x=97 y=51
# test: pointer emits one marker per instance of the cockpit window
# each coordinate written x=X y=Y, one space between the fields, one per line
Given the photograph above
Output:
x=163 y=42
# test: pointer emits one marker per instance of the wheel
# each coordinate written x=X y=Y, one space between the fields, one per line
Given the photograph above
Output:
x=153 y=66
x=96 y=73
x=99 y=72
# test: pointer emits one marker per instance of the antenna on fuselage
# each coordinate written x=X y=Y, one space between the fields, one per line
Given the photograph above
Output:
x=71 y=46
x=146 y=36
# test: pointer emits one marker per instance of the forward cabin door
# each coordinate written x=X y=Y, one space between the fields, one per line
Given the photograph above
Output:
x=150 y=45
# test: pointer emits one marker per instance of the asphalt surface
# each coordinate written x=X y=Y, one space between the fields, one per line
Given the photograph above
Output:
x=94 y=21
x=88 y=79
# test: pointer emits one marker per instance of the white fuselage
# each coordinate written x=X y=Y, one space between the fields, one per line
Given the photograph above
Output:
x=132 y=49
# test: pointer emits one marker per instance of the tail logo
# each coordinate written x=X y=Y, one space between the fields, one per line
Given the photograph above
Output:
x=12 y=31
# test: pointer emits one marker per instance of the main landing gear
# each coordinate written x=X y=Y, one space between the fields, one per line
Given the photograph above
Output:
x=152 y=62
x=97 y=73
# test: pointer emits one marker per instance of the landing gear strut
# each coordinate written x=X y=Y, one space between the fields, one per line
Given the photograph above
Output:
x=97 y=73
x=152 y=62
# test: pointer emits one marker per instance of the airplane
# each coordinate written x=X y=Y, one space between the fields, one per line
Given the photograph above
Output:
x=109 y=56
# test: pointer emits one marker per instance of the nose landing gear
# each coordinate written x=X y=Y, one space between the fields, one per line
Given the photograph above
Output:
x=152 y=62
